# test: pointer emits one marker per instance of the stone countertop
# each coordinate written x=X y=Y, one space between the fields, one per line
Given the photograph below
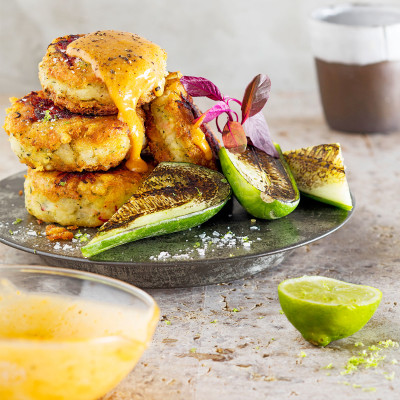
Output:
x=207 y=351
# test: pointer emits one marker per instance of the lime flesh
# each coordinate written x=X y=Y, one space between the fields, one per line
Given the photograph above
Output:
x=320 y=174
x=325 y=309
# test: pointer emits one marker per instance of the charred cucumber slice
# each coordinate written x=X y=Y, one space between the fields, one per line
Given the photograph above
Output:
x=263 y=185
x=174 y=197
x=320 y=174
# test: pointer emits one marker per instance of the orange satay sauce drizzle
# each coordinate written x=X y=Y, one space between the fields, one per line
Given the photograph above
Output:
x=200 y=141
x=131 y=67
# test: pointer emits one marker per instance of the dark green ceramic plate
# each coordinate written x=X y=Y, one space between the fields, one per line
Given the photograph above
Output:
x=230 y=246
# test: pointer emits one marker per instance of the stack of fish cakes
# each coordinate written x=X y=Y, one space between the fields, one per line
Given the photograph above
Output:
x=70 y=137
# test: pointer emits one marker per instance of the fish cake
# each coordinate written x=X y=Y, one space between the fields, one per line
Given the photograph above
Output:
x=85 y=199
x=71 y=83
x=170 y=129
x=47 y=138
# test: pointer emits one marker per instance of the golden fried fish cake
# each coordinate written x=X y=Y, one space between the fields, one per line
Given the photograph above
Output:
x=79 y=198
x=71 y=83
x=171 y=133
x=49 y=138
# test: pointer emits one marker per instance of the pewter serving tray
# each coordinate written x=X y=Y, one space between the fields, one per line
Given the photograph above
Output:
x=230 y=246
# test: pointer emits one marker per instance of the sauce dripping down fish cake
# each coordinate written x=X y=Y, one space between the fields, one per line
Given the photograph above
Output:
x=133 y=70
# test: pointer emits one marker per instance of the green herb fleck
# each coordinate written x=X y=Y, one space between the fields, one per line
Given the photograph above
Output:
x=84 y=238
x=17 y=221
x=235 y=310
x=193 y=350
x=62 y=183
x=281 y=312
x=47 y=116
x=167 y=322
x=81 y=64
x=214 y=321
x=302 y=354
x=11 y=232
x=329 y=366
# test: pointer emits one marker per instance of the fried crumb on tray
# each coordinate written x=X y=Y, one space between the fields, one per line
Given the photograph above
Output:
x=54 y=232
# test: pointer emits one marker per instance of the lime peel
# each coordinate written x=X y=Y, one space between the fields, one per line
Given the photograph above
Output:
x=325 y=309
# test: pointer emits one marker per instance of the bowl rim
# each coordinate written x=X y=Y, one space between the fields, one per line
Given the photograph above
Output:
x=84 y=276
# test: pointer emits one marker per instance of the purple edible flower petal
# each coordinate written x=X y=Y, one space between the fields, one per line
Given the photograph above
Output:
x=216 y=110
x=199 y=87
x=255 y=96
x=257 y=130
x=234 y=137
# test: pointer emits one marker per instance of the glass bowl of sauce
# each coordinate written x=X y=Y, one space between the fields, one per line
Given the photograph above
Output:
x=68 y=334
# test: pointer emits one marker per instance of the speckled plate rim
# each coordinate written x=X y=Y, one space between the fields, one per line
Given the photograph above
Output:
x=177 y=262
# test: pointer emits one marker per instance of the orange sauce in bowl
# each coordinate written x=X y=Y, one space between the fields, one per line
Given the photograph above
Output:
x=65 y=348
x=131 y=67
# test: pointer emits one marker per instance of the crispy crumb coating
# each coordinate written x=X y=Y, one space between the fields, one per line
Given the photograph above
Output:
x=170 y=128
x=71 y=83
x=48 y=138
x=79 y=198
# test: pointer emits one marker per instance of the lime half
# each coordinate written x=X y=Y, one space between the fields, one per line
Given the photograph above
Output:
x=325 y=309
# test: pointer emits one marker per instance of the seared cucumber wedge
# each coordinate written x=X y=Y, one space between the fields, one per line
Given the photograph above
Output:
x=174 y=197
x=320 y=174
x=263 y=185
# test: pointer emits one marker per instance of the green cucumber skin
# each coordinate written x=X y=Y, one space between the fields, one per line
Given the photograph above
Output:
x=161 y=228
x=326 y=201
x=249 y=197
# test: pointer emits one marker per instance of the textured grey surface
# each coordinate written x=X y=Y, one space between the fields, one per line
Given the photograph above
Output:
x=208 y=351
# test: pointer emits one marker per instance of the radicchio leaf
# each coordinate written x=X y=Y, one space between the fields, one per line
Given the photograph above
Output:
x=255 y=96
x=257 y=130
x=199 y=87
x=234 y=137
